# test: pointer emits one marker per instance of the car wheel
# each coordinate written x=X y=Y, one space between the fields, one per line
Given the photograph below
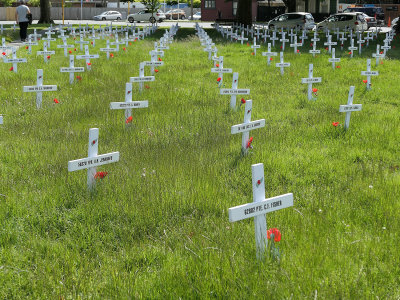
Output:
x=131 y=20
x=103 y=19
x=118 y=18
x=182 y=17
x=152 y=19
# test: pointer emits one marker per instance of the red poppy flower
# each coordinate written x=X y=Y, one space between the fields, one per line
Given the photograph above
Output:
x=349 y=52
x=93 y=142
x=27 y=47
x=242 y=101
x=281 y=47
x=337 y=67
x=70 y=52
x=271 y=58
x=275 y=232
x=3 y=53
x=111 y=54
x=79 y=77
x=381 y=52
x=335 y=124
x=48 y=56
x=89 y=64
x=314 y=90
x=248 y=44
x=381 y=63
x=326 y=48
x=124 y=49
x=311 y=44
x=135 y=39
x=362 y=45
x=258 y=182
x=156 y=70
x=252 y=53
x=129 y=120
x=55 y=100
x=91 y=43
x=100 y=175
x=159 y=59
x=249 y=143
x=11 y=69
x=74 y=49
x=130 y=44
x=298 y=51
x=147 y=86
x=365 y=80
x=219 y=79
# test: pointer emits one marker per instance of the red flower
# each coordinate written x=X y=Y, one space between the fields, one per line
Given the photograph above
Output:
x=48 y=56
x=129 y=120
x=258 y=182
x=124 y=49
x=362 y=45
x=11 y=69
x=78 y=77
x=381 y=62
x=55 y=100
x=298 y=51
x=111 y=54
x=100 y=175
x=281 y=47
x=74 y=49
x=159 y=59
x=217 y=65
x=147 y=86
x=248 y=44
x=70 y=52
x=349 y=52
x=130 y=44
x=337 y=67
x=311 y=44
x=219 y=79
x=91 y=43
x=93 y=142
x=27 y=47
x=271 y=58
x=242 y=101
x=314 y=90
x=381 y=52
x=156 y=70
x=3 y=53
x=89 y=64
x=365 y=80
x=252 y=53
x=335 y=124
x=249 y=143
x=275 y=232
x=326 y=48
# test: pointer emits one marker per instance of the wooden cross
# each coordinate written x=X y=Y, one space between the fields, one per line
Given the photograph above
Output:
x=378 y=54
x=352 y=48
x=329 y=43
x=234 y=90
x=141 y=77
x=334 y=59
x=128 y=104
x=274 y=38
x=259 y=208
x=65 y=47
x=295 y=44
x=247 y=126
x=81 y=42
x=72 y=69
x=255 y=46
x=93 y=160
x=39 y=88
x=88 y=57
x=314 y=40
x=369 y=73
x=49 y=38
x=342 y=40
x=360 y=42
x=310 y=80
x=283 y=40
x=349 y=108
x=14 y=60
x=221 y=70
x=45 y=52
x=268 y=54
x=282 y=64
x=108 y=49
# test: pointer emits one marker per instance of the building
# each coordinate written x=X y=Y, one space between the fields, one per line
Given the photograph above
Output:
x=212 y=10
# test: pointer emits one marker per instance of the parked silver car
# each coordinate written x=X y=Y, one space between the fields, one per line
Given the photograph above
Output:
x=146 y=16
x=108 y=15
x=300 y=20
x=354 y=21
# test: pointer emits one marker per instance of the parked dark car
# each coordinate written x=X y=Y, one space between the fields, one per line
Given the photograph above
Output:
x=376 y=12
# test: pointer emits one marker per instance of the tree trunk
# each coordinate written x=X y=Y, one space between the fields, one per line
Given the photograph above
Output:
x=45 y=12
x=244 y=12
x=290 y=5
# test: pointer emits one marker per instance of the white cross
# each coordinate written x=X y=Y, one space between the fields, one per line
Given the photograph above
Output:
x=378 y=54
x=1 y=120
x=255 y=46
x=342 y=40
x=334 y=59
x=259 y=208
x=129 y=104
x=39 y=88
x=234 y=90
x=14 y=60
x=360 y=42
x=310 y=80
x=274 y=38
x=295 y=44
x=88 y=57
x=352 y=48
x=349 y=107
x=369 y=73
x=49 y=38
x=35 y=35
x=141 y=77
x=368 y=38
x=282 y=64
x=153 y=63
x=247 y=126
x=93 y=160
x=385 y=47
x=117 y=42
x=283 y=40
x=268 y=54
x=45 y=52
x=108 y=49
x=329 y=43
x=81 y=42
x=314 y=42
x=242 y=38
x=292 y=35
x=154 y=56
x=65 y=47
x=220 y=69
x=3 y=45
x=93 y=37
x=72 y=69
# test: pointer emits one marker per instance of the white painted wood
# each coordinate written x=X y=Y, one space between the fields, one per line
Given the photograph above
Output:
x=87 y=57
x=282 y=64
x=369 y=73
x=65 y=46
x=1 y=120
x=268 y=54
x=310 y=80
x=334 y=59
x=72 y=69
x=349 y=107
x=14 y=60
x=45 y=52
x=39 y=88
x=247 y=126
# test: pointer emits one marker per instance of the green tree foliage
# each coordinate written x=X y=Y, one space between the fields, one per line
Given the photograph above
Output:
x=151 y=5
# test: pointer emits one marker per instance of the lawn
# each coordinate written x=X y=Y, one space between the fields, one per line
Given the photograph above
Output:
x=157 y=225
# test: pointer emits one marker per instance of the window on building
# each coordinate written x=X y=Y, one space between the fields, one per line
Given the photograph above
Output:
x=209 y=4
x=234 y=7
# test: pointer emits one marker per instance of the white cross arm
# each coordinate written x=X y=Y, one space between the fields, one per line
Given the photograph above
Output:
x=311 y=80
x=234 y=91
x=247 y=126
x=87 y=56
x=76 y=69
x=141 y=79
x=314 y=51
x=221 y=70
x=254 y=209
x=1 y=120
x=40 y=88
x=370 y=73
x=334 y=59
x=269 y=53
x=153 y=63
x=282 y=64
x=347 y=108
x=15 y=60
x=90 y=162
x=125 y=105
x=45 y=52
x=108 y=49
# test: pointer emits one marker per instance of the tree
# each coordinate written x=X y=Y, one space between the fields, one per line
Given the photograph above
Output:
x=244 y=12
x=290 y=4
x=45 y=12
x=151 y=5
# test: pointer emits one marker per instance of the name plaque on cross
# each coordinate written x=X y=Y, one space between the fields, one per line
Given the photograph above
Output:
x=234 y=91
x=142 y=79
x=248 y=126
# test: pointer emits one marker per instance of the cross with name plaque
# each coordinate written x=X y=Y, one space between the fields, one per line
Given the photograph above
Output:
x=88 y=57
x=274 y=38
x=352 y=48
x=108 y=50
x=14 y=60
x=334 y=59
x=93 y=160
x=81 y=41
x=259 y=208
x=1 y=120
x=329 y=43
x=314 y=40
x=72 y=69
x=220 y=69
x=310 y=80
x=268 y=54
x=65 y=46
x=360 y=42
x=282 y=64
x=349 y=108
x=234 y=90
x=283 y=40
x=255 y=46
x=129 y=104
x=247 y=126
x=141 y=77
x=45 y=52
x=295 y=44
x=378 y=54
x=369 y=73
x=39 y=88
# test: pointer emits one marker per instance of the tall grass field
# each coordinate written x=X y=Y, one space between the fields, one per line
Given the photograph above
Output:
x=157 y=225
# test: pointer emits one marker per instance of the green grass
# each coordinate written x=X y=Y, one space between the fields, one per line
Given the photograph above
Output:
x=157 y=226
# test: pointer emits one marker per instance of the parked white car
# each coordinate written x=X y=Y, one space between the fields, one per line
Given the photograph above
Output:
x=300 y=20
x=395 y=21
x=108 y=15
x=354 y=21
x=196 y=16
x=146 y=16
